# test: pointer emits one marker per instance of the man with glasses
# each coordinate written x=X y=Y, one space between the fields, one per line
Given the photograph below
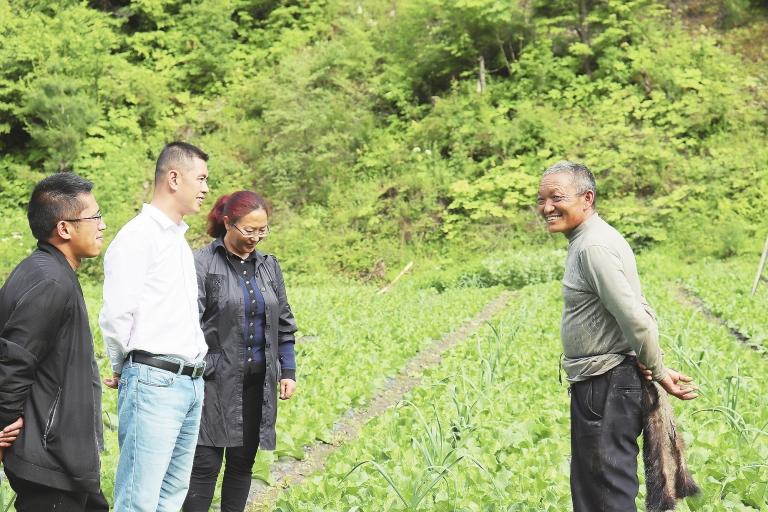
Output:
x=152 y=332
x=48 y=374
x=607 y=329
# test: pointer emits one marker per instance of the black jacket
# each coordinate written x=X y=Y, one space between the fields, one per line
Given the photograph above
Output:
x=48 y=375
x=221 y=315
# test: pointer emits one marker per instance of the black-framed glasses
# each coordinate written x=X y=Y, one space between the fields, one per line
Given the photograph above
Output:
x=253 y=233
x=94 y=217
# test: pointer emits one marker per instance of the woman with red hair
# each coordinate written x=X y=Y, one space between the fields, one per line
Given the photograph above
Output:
x=249 y=329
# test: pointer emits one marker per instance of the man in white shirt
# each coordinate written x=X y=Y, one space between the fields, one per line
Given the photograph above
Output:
x=152 y=333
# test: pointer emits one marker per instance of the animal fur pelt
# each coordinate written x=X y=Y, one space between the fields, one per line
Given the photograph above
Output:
x=667 y=478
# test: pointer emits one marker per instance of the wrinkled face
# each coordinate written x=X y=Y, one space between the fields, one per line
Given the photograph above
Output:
x=191 y=186
x=243 y=234
x=87 y=233
x=561 y=206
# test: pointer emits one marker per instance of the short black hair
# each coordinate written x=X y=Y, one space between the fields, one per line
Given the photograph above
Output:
x=177 y=155
x=53 y=199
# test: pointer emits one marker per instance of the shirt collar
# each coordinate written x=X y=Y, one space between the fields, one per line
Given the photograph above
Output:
x=578 y=230
x=162 y=219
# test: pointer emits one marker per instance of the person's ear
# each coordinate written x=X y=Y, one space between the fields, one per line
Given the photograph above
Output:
x=589 y=198
x=173 y=178
x=64 y=230
x=226 y=221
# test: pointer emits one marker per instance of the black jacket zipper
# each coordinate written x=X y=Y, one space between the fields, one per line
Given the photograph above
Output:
x=51 y=417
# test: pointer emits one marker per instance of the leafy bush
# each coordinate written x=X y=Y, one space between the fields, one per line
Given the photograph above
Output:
x=521 y=268
x=372 y=113
x=514 y=268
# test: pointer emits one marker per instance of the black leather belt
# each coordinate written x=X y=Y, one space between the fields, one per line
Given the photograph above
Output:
x=191 y=370
x=629 y=360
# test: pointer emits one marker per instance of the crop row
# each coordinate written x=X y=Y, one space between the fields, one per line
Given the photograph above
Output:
x=725 y=288
x=461 y=441
x=489 y=428
x=351 y=341
x=359 y=340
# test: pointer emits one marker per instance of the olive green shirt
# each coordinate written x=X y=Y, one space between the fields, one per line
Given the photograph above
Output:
x=605 y=315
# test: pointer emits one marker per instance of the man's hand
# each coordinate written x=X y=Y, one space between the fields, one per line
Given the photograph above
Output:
x=287 y=388
x=647 y=374
x=672 y=385
x=112 y=382
x=9 y=434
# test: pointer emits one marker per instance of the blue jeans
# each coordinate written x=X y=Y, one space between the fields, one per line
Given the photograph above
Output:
x=159 y=415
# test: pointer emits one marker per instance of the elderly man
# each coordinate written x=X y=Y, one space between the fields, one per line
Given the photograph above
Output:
x=608 y=333
x=48 y=374
x=152 y=332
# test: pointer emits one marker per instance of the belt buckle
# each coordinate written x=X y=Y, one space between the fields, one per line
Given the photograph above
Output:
x=198 y=370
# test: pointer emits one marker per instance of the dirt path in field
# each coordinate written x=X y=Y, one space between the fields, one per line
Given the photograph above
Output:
x=690 y=299
x=292 y=472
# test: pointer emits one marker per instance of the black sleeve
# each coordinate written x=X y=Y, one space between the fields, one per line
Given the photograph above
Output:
x=200 y=271
x=287 y=322
x=28 y=335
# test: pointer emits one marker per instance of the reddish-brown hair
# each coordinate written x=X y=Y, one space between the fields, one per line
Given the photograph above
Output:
x=235 y=206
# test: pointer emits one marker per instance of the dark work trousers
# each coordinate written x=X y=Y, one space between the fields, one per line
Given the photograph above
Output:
x=239 y=459
x=33 y=497
x=606 y=420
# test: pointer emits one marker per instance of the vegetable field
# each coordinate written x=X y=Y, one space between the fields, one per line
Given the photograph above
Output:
x=487 y=429
x=725 y=289
x=393 y=131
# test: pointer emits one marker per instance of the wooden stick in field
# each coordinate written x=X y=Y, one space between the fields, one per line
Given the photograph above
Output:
x=401 y=274
x=760 y=266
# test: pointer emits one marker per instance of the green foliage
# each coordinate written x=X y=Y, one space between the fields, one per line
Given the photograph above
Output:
x=512 y=268
x=734 y=12
x=520 y=268
x=498 y=195
x=372 y=112
x=6 y=496
x=728 y=235
x=429 y=44
x=380 y=333
x=57 y=115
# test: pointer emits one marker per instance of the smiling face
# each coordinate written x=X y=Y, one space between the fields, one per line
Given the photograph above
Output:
x=247 y=231
x=191 y=186
x=561 y=205
x=87 y=234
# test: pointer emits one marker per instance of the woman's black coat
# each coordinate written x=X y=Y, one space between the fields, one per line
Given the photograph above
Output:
x=220 y=299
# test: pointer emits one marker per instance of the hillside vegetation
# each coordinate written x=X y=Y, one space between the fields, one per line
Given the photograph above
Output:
x=390 y=129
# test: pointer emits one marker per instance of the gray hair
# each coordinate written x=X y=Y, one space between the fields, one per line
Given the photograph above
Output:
x=581 y=177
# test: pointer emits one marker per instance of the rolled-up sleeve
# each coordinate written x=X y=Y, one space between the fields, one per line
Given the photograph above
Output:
x=602 y=268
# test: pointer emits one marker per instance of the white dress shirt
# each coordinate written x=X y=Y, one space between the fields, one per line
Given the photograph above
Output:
x=150 y=291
